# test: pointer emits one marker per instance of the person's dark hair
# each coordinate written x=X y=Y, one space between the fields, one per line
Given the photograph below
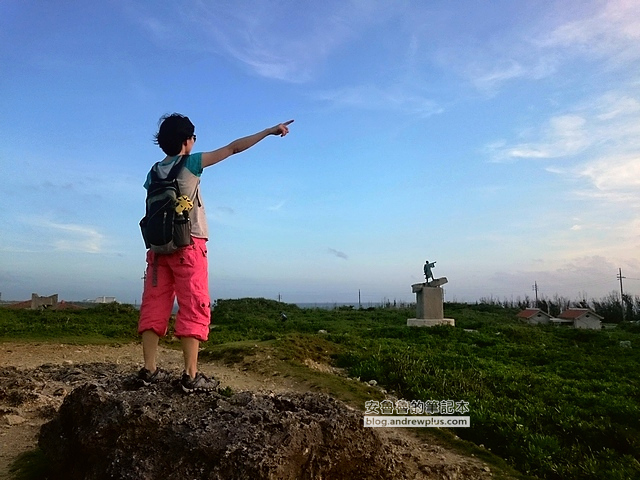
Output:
x=174 y=129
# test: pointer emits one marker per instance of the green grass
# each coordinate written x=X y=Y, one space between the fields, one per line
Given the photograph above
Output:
x=554 y=403
x=103 y=323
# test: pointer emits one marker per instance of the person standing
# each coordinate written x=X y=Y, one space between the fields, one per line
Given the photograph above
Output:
x=184 y=273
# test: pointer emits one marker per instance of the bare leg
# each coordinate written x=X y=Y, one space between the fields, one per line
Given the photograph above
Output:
x=150 y=349
x=190 y=348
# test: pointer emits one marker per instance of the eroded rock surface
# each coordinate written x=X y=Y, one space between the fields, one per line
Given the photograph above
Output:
x=114 y=429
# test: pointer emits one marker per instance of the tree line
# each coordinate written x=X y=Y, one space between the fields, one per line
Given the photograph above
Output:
x=609 y=307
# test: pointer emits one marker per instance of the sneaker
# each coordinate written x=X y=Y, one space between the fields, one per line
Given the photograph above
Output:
x=147 y=378
x=201 y=383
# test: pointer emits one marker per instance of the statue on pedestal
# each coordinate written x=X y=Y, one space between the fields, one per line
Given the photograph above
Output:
x=429 y=300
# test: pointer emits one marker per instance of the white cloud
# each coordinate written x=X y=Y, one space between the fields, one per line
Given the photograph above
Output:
x=69 y=236
x=78 y=238
x=607 y=32
x=605 y=127
x=489 y=78
x=563 y=135
x=612 y=105
x=614 y=173
x=595 y=150
x=371 y=97
x=611 y=32
x=283 y=41
x=498 y=75
x=277 y=206
x=612 y=166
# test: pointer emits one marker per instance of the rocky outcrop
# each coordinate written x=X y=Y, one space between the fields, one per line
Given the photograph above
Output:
x=114 y=429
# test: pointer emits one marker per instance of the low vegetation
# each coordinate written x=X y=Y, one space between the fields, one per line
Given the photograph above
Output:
x=553 y=402
x=102 y=323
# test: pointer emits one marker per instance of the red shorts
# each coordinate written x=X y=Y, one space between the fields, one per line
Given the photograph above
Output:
x=182 y=274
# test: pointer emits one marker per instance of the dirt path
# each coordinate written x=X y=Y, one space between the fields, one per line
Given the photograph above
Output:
x=20 y=424
x=31 y=355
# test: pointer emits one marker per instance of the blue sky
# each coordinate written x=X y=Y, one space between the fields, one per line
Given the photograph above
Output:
x=500 y=139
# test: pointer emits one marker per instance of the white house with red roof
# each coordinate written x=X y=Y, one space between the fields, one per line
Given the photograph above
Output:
x=534 y=316
x=580 y=318
x=571 y=317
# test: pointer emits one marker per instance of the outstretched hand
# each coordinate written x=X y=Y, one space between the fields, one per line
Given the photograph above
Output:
x=282 y=129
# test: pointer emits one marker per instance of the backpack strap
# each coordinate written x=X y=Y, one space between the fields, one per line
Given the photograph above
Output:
x=175 y=170
x=173 y=173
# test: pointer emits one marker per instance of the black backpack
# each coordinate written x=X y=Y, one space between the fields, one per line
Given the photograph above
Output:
x=165 y=228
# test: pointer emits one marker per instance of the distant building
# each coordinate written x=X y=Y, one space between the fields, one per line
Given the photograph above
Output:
x=534 y=316
x=105 y=300
x=571 y=317
x=581 y=318
x=39 y=303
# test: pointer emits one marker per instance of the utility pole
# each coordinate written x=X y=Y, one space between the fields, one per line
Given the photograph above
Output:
x=620 y=277
x=144 y=281
x=359 y=300
x=535 y=289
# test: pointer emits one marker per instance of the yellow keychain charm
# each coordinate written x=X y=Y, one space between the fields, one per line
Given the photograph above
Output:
x=183 y=204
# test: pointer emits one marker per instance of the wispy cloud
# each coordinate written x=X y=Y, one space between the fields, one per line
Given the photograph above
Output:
x=371 y=97
x=610 y=32
x=604 y=31
x=499 y=74
x=489 y=78
x=77 y=238
x=562 y=136
x=283 y=41
x=595 y=152
x=277 y=206
x=613 y=173
x=611 y=180
x=600 y=127
x=337 y=253
x=69 y=236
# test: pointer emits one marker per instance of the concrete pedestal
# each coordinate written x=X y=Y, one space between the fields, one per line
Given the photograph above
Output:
x=429 y=304
x=425 y=322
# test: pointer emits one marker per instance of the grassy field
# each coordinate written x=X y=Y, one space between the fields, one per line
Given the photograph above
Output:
x=553 y=402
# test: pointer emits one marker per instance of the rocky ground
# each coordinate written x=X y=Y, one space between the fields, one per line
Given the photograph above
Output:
x=35 y=380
